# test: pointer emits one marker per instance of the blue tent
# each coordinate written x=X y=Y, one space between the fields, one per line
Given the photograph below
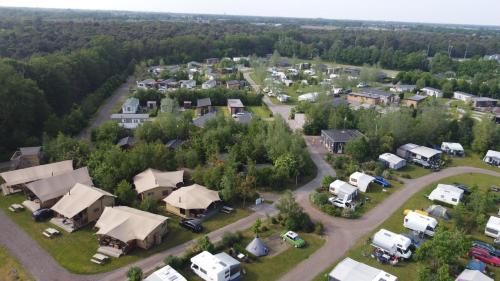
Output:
x=476 y=265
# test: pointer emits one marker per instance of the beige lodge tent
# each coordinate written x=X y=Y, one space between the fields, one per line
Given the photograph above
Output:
x=193 y=200
x=157 y=184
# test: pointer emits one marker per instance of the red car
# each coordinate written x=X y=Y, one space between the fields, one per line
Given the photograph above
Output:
x=484 y=256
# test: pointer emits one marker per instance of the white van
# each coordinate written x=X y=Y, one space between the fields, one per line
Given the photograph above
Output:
x=420 y=223
x=492 y=228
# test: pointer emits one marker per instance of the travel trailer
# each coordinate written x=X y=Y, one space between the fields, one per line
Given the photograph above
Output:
x=392 y=243
x=420 y=223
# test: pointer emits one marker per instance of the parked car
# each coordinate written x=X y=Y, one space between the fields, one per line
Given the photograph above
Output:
x=42 y=214
x=495 y=188
x=488 y=247
x=465 y=188
x=484 y=256
x=192 y=224
x=293 y=239
x=381 y=181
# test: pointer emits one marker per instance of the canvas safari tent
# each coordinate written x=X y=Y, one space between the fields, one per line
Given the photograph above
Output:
x=191 y=201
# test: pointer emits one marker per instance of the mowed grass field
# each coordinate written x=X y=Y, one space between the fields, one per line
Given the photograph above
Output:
x=406 y=271
x=11 y=269
x=74 y=250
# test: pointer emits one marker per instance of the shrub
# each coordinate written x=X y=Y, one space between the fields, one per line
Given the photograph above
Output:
x=134 y=274
x=231 y=238
x=347 y=213
x=274 y=220
x=319 y=228
x=173 y=261
x=406 y=176
x=320 y=199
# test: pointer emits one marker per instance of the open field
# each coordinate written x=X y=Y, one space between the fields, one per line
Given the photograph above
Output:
x=74 y=250
x=473 y=160
x=10 y=269
x=412 y=171
x=406 y=271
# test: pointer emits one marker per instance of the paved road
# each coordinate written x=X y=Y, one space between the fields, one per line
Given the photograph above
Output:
x=118 y=97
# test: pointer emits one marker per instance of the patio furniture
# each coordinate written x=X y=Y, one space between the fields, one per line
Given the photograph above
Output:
x=226 y=210
x=50 y=232
x=16 y=207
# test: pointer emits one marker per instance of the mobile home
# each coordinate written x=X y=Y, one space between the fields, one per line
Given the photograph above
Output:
x=493 y=227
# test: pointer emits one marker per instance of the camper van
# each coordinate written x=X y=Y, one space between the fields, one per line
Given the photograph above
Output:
x=420 y=223
x=392 y=243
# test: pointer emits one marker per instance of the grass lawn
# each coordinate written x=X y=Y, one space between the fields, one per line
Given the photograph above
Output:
x=413 y=171
x=472 y=159
x=74 y=250
x=271 y=268
x=223 y=109
x=261 y=111
x=10 y=269
x=406 y=271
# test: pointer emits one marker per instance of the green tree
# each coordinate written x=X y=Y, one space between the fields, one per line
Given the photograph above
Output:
x=256 y=227
x=287 y=165
x=149 y=205
x=134 y=274
x=484 y=135
x=204 y=244
x=125 y=193
x=108 y=132
x=66 y=148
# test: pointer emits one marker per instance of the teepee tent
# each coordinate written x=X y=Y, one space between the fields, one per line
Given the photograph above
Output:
x=257 y=247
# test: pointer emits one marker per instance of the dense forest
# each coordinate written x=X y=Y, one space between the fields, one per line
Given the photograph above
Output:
x=63 y=69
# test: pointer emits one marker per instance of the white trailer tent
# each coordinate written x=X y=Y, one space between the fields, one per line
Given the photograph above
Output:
x=446 y=193
x=166 y=273
x=420 y=223
x=392 y=243
x=493 y=227
x=220 y=267
x=343 y=190
x=492 y=157
x=351 y=270
x=453 y=148
x=392 y=161
x=361 y=180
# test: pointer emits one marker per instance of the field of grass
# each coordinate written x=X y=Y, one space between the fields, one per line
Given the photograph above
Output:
x=271 y=268
x=261 y=111
x=472 y=159
x=74 y=250
x=412 y=171
x=406 y=271
x=10 y=269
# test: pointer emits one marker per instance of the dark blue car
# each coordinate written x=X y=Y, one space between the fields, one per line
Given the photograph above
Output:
x=492 y=250
x=381 y=181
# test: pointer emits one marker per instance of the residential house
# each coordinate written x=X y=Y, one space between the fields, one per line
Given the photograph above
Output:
x=122 y=228
x=432 y=92
x=235 y=106
x=192 y=201
x=453 y=148
x=392 y=161
x=413 y=101
x=492 y=157
x=484 y=102
x=15 y=181
x=156 y=184
x=130 y=121
x=126 y=142
x=130 y=106
x=401 y=88
x=209 y=84
x=335 y=140
x=233 y=84
x=146 y=84
x=219 y=267
x=465 y=97
x=166 y=273
x=83 y=204
x=351 y=270
x=385 y=97
x=200 y=121
x=212 y=61
x=188 y=84
x=26 y=157
x=44 y=193
x=203 y=106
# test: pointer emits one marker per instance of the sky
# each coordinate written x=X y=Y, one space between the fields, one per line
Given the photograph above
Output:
x=480 y=12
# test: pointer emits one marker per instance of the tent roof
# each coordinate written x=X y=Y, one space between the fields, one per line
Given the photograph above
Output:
x=127 y=224
x=257 y=247
x=391 y=158
x=192 y=197
x=56 y=186
x=30 y=174
x=425 y=151
x=152 y=178
x=351 y=270
x=363 y=180
x=438 y=211
x=472 y=275
x=79 y=198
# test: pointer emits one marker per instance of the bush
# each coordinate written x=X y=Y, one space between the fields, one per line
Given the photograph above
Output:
x=231 y=238
x=319 y=228
x=347 y=213
x=274 y=220
x=134 y=274
x=174 y=261
x=406 y=176
x=320 y=199
x=331 y=210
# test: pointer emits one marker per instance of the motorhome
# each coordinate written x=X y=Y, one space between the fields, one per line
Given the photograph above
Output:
x=420 y=223
x=392 y=243
x=219 y=267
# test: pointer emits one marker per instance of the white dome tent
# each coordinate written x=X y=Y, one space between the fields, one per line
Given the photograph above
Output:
x=257 y=247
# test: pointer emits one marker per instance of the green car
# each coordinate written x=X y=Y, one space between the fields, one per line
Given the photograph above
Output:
x=293 y=238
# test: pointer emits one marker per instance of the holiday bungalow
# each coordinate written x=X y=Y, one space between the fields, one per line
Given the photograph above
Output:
x=156 y=184
x=192 y=201
x=235 y=106
x=335 y=140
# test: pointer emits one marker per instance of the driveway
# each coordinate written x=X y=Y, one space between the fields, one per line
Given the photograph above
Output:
x=105 y=111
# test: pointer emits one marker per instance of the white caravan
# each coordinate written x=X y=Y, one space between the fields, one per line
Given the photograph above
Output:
x=392 y=243
x=420 y=223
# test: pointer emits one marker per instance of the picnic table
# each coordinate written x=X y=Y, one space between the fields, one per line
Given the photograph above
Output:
x=16 y=208
x=226 y=210
x=99 y=258
x=51 y=232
